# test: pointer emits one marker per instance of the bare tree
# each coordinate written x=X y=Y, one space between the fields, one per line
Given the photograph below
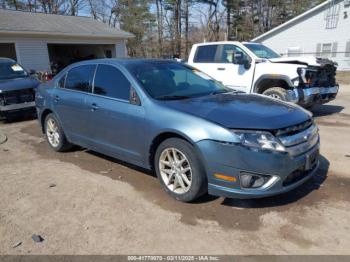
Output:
x=160 y=23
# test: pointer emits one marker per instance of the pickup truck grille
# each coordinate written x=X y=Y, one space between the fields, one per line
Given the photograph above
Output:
x=321 y=77
x=17 y=96
x=300 y=138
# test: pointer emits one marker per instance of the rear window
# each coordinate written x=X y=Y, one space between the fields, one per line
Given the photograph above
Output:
x=205 y=54
x=80 y=78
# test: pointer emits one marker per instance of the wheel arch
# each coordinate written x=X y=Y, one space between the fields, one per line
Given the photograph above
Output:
x=161 y=138
x=267 y=81
x=43 y=116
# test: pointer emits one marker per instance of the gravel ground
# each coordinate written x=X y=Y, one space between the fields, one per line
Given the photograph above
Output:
x=85 y=203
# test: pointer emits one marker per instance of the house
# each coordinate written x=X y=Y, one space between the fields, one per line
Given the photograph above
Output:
x=38 y=40
x=323 y=31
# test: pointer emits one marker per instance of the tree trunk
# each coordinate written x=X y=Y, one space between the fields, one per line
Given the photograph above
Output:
x=160 y=26
x=177 y=24
x=186 y=27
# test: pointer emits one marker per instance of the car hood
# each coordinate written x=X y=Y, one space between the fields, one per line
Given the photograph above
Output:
x=242 y=111
x=304 y=60
x=18 y=83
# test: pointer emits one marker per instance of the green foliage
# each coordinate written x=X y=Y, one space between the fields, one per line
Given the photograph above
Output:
x=134 y=16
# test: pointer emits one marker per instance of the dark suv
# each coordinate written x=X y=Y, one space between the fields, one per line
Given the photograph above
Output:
x=17 y=88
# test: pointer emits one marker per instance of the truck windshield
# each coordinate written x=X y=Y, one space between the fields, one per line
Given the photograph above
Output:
x=262 y=51
x=165 y=80
x=10 y=70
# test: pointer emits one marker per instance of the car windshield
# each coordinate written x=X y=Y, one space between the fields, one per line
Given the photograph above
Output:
x=166 y=80
x=10 y=70
x=262 y=51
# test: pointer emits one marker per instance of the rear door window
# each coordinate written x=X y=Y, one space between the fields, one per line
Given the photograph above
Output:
x=206 y=54
x=111 y=82
x=80 y=78
x=62 y=81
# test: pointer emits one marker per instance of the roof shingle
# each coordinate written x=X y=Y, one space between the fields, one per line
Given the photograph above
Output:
x=47 y=24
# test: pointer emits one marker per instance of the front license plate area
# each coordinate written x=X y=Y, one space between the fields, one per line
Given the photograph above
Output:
x=311 y=160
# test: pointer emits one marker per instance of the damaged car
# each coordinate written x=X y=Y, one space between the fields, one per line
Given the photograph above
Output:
x=255 y=68
x=17 y=89
x=197 y=135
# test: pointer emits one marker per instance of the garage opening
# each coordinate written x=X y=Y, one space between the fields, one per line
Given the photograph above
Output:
x=8 y=50
x=62 y=55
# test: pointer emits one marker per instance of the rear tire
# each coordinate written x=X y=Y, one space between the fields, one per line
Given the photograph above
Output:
x=276 y=92
x=55 y=135
x=179 y=170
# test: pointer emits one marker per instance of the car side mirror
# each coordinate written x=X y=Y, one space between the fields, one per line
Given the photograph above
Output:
x=134 y=98
x=32 y=72
x=240 y=59
x=247 y=64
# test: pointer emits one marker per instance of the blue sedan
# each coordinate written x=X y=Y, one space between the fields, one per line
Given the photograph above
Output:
x=196 y=135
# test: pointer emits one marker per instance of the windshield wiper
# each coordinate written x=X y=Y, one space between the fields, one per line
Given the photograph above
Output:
x=219 y=92
x=173 y=97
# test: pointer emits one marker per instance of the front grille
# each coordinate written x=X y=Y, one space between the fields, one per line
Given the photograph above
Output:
x=295 y=176
x=294 y=129
x=18 y=96
x=300 y=138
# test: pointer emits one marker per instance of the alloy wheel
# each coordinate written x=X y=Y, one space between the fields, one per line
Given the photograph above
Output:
x=52 y=132
x=275 y=96
x=175 y=170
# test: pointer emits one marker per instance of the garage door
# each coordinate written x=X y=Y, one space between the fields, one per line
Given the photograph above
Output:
x=8 y=50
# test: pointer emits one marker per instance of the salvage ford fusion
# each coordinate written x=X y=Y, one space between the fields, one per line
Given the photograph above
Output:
x=197 y=135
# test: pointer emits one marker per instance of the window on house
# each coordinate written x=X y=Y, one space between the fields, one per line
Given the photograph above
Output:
x=347 y=49
x=326 y=50
x=334 y=49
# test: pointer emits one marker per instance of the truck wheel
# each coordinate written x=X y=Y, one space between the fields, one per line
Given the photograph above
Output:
x=179 y=170
x=276 y=92
x=55 y=135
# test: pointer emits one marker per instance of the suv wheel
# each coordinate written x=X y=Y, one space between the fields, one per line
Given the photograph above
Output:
x=179 y=170
x=55 y=135
x=276 y=92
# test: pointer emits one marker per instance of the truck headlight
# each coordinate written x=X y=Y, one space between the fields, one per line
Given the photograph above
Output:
x=260 y=140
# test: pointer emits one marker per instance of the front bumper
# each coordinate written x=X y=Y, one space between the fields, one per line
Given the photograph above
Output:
x=317 y=95
x=16 y=107
x=231 y=160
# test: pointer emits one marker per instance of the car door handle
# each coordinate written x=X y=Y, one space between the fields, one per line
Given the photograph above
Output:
x=56 y=98
x=94 y=107
x=221 y=68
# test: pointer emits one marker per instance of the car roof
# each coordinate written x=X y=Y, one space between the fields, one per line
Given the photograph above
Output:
x=123 y=61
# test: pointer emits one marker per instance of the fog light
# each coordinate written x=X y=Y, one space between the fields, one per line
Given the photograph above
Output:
x=250 y=180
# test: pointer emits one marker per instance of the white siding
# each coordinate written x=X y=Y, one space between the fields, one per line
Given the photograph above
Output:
x=120 y=48
x=310 y=33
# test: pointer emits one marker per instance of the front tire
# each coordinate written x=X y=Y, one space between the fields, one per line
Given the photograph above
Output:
x=179 y=170
x=276 y=92
x=55 y=135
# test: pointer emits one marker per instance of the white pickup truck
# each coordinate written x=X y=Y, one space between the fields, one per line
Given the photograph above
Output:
x=255 y=68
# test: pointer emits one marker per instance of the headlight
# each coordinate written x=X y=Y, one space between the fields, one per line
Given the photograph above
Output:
x=260 y=140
